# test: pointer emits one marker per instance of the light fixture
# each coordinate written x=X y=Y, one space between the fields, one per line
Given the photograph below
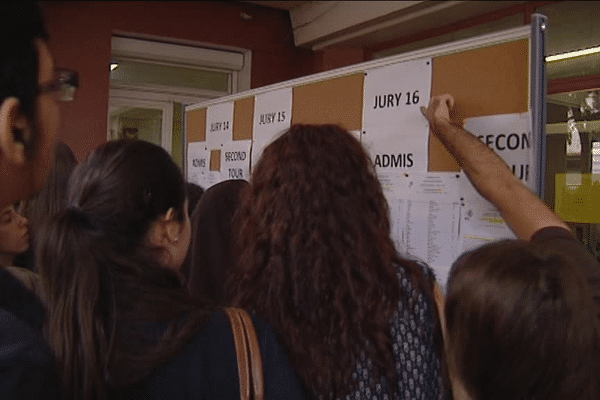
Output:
x=571 y=54
x=592 y=102
x=573 y=138
x=113 y=66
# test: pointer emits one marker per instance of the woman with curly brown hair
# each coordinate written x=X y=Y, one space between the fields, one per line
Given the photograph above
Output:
x=317 y=262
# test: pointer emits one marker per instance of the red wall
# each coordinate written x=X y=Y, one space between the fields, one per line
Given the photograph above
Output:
x=80 y=39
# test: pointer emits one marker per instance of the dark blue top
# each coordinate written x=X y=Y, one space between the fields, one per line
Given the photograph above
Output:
x=23 y=304
x=27 y=367
x=206 y=368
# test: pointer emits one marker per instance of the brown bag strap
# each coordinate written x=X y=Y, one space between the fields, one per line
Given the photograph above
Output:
x=255 y=358
x=241 y=351
x=248 y=354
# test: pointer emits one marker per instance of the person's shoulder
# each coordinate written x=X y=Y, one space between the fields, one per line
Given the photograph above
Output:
x=20 y=301
x=418 y=283
x=426 y=270
x=27 y=365
x=215 y=332
x=559 y=240
x=419 y=267
x=204 y=367
x=219 y=328
x=27 y=277
x=552 y=233
x=219 y=322
x=19 y=343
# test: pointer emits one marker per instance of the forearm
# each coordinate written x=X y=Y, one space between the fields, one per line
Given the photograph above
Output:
x=487 y=171
x=523 y=211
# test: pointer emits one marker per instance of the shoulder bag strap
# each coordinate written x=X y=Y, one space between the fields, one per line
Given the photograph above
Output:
x=241 y=351
x=255 y=358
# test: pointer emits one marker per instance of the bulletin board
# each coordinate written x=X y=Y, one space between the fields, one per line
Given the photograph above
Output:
x=491 y=75
x=488 y=75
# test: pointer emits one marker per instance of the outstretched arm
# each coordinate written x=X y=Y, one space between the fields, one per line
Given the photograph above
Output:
x=522 y=210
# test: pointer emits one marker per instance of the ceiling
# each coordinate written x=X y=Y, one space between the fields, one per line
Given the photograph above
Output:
x=378 y=25
x=321 y=24
x=280 y=5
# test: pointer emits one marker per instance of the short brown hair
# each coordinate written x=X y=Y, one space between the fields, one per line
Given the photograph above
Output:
x=521 y=325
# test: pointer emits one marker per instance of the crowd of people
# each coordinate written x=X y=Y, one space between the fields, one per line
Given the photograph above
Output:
x=116 y=272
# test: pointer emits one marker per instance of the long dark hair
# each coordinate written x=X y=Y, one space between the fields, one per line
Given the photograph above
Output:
x=316 y=259
x=210 y=257
x=103 y=284
x=521 y=325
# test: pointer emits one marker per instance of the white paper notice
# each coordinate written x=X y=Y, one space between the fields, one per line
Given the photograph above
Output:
x=425 y=216
x=395 y=133
x=212 y=178
x=198 y=159
x=272 y=116
x=481 y=222
x=235 y=160
x=509 y=135
x=219 y=124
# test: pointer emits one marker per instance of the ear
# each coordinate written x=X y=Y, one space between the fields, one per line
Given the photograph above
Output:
x=165 y=232
x=164 y=237
x=12 y=119
x=173 y=226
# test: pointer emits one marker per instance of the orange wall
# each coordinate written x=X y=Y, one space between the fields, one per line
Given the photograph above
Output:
x=80 y=39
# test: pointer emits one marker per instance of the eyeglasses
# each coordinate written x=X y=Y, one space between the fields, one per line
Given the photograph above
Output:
x=65 y=83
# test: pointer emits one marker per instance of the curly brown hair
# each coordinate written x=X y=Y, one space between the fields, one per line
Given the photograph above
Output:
x=316 y=259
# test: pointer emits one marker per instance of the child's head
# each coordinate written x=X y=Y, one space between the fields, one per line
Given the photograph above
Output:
x=520 y=324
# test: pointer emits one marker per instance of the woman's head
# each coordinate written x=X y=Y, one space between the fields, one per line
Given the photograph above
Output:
x=134 y=194
x=317 y=184
x=14 y=235
x=521 y=324
x=315 y=256
x=107 y=264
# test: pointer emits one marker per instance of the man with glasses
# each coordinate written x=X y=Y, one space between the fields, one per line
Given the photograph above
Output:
x=29 y=114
